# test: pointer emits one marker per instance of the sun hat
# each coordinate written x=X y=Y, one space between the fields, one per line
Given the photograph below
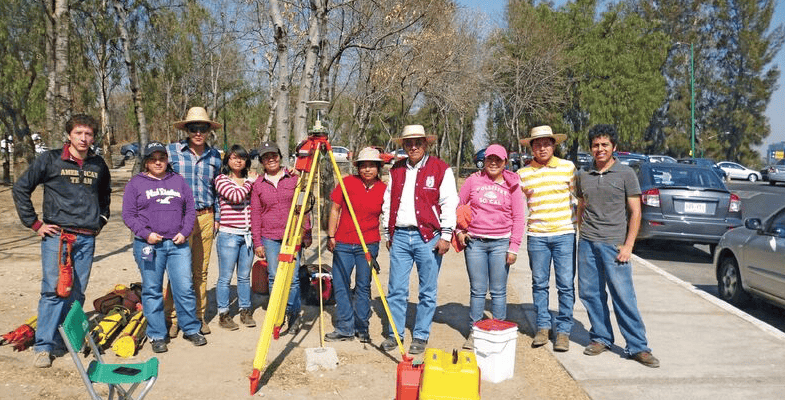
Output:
x=413 y=132
x=368 y=154
x=268 y=147
x=196 y=114
x=152 y=147
x=541 y=132
x=496 y=150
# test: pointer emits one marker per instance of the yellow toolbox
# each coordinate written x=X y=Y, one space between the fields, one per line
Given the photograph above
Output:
x=450 y=376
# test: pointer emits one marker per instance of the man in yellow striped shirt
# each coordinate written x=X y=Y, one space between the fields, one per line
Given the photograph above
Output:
x=549 y=185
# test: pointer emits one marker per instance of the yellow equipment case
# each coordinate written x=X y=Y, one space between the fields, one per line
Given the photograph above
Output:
x=450 y=376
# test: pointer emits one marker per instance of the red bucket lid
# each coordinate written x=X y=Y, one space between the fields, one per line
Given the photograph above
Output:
x=495 y=325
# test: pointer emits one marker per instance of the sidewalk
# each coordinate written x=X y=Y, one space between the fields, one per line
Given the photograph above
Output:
x=707 y=348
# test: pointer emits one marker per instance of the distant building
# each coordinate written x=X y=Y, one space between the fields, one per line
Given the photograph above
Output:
x=775 y=152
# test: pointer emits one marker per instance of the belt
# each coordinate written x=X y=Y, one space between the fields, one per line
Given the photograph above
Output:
x=206 y=210
x=80 y=231
x=407 y=228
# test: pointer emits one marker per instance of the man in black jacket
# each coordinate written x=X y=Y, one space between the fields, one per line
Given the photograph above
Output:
x=76 y=206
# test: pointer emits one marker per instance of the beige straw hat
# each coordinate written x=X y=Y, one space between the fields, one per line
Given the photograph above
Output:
x=541 y=132
x=413 y=132
x=196 y=114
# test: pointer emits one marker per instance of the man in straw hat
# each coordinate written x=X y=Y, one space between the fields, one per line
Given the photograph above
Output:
x=199 y=164
x=609 y=215
x=418 y=215
x=549 y=184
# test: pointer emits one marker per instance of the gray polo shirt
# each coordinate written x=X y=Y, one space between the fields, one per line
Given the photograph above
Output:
x=605 y=202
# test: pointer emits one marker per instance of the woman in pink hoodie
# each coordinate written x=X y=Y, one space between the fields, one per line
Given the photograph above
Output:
x=493 y=234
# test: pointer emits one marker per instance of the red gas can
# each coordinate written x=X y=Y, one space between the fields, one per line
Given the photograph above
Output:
x=407 y=386
x=259 y=280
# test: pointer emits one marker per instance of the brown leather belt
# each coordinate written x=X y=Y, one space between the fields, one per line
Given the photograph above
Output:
x=206 y=210
x=80 y=231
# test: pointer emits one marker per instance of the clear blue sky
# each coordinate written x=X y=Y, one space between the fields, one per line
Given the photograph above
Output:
x=776 y=110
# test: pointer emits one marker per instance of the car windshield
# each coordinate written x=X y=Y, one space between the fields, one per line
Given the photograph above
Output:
x=664 y=175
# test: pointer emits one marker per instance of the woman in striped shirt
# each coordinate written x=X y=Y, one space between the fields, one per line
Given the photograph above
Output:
x=234 y=242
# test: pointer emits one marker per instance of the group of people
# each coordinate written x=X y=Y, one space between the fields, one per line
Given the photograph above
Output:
x=187 y=196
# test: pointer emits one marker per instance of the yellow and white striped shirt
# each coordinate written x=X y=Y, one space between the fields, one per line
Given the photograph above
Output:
x=550 y=210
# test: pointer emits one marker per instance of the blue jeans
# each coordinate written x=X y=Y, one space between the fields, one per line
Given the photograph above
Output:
x=175 y=260
x=408 y=247
x=271 y=250
x=486 y=263
x=352 y=308
x=233 y=250
x=560 y=249
x=598 y=267
x=52 y=309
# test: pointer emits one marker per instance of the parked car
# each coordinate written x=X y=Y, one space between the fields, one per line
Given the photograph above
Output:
x=686 y=203
x=630 y=158
x=776 y=173
x=479 y=159
x=661 y=159
x=751 y=260
x=738 y=171
x=400 y=154
x=706 y=162
x=386 y=157
x=342 y=154
x=585 y=160
x=130 y=150
x=514 y=160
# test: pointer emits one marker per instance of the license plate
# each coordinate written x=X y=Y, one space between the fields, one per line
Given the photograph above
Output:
x=695 y=208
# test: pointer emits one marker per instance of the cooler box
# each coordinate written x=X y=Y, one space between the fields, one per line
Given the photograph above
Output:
x=259 y=281
x=450 y=376
x=494 y=346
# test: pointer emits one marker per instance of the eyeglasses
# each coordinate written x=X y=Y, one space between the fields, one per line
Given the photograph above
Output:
x=407 y=143
x=200 y=128
x=270 y=157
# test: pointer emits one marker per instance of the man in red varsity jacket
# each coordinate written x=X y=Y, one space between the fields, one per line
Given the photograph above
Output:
x=418 y=216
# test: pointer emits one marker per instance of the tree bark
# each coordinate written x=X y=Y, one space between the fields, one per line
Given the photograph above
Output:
x=63 y=96
x=300 y=111
x=282 y=109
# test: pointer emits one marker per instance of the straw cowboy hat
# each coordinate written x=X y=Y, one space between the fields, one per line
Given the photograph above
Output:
x=542 y=132
x=196 y=114
x=413 y=132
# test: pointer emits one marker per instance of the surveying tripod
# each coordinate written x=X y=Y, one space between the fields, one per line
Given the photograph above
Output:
x=307 y=164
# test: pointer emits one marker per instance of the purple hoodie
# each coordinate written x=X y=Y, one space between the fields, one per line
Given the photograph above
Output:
x=164 y=206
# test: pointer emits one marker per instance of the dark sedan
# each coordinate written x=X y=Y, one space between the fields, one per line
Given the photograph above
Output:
x=751 y=260
x=686 y=203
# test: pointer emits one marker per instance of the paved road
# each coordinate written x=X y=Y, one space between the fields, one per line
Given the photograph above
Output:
x=693 y=264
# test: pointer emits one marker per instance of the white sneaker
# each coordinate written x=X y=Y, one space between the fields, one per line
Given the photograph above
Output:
x=42 y=359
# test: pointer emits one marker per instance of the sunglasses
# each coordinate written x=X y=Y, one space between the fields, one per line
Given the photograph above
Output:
x=407 y=143
x=199 y=128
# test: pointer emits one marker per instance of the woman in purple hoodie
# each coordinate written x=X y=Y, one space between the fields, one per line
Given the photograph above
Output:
x=493 y=234
x=158 y=207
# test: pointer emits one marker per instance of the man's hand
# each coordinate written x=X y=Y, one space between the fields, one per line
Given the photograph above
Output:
x=625 y=252
x=511 y=258
x=154 y=238
x=47 y=230
x=179 y=239
x=389 y=243
x=528 y=192
x=259 y=251
x=442 y=246
x=463 y=238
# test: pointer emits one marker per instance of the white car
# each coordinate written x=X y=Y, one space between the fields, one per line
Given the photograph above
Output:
x=738 y=171
x=342 y=154
x=662 y=159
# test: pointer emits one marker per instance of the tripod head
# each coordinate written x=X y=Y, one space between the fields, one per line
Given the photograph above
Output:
x=318 y=129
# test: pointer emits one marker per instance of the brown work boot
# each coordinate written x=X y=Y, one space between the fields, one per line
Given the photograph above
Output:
x=173 y=329
x=562 y=342
x=541 y=337
x=225 y=321
x=594 y=348
x=246 y=318
x=647 y=359
x=205 y=330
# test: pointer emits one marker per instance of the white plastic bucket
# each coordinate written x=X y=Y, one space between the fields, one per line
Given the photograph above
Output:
x=494 y=345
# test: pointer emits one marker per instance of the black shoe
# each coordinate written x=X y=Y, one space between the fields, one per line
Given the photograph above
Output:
x=197 y=339
x=159 y=346
x=389 y=344
x=363 y=336
x=337 y=337
x=295 y=324
x=417 y=346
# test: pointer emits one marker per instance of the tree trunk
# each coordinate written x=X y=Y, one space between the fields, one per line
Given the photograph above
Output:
x=63 y=96
x=301 y=112
x=51 y=133
x=133 y=78
x=282 y=109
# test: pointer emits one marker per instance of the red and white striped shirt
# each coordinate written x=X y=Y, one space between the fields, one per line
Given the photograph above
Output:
x=235 y=202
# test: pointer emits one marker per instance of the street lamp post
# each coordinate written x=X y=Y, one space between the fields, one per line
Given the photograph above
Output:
x=692 y=98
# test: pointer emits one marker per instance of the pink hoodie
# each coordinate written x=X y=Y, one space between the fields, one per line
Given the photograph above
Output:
x=496 y=208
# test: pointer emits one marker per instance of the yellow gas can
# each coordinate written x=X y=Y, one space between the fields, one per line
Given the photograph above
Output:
x=448 y=376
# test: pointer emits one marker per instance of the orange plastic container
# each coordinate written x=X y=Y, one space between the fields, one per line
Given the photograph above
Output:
x=407 y=386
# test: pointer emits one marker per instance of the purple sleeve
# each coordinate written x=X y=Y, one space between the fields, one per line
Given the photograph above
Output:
x=518 y=218
x=189 y=214
x=131 y=211
x=256 y=213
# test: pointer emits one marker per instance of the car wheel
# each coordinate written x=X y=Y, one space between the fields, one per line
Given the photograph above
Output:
x=772 y=183
x=752 y=178
x=729 y=283
x=479 y=164
x=128 y=154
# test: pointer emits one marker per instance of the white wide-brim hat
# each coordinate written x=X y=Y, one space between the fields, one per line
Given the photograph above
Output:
x=414 y=132
x=368 y=154
x=542 y=132
x=196 y=115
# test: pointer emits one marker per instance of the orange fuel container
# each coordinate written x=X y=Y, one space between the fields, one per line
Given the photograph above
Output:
x=450 y=376
x=407 y=386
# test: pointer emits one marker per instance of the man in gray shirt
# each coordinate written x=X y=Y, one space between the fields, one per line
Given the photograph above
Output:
x=609 y=215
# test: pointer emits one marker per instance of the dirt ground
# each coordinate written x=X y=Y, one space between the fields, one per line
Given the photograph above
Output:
x=220 y=369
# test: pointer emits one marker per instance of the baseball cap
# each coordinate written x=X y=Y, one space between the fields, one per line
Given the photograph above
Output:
x=268 y=147
x=152 y=147
x=496 y=150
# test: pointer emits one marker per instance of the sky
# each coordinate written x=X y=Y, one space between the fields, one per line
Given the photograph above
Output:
x=776 y=110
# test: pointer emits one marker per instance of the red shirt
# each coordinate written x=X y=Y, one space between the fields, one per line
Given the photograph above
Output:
x=367 y=205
